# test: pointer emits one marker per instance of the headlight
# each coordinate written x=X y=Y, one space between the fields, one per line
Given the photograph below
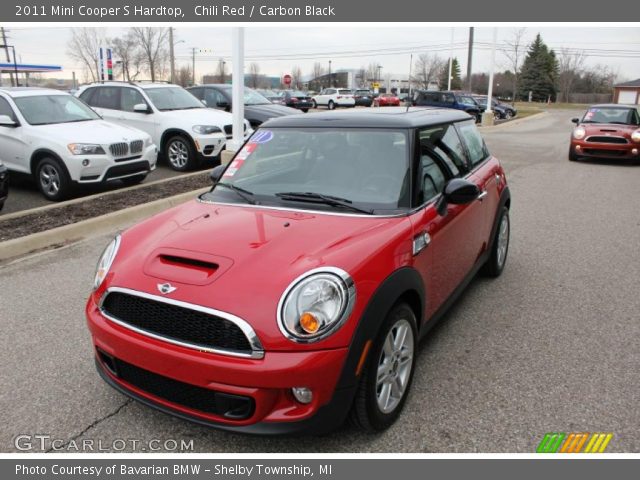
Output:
x=635 y=136
x=206 y=129
x=579 y=133
x=85 y=149
x=105 y=262
x=316 y=304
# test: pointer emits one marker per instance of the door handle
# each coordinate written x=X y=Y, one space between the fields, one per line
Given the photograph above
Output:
x=482 y=195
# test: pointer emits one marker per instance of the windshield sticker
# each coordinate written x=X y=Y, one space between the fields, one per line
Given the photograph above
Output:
x=246 y=151
x=233 y=168
x=589 y=114
x=263 y=136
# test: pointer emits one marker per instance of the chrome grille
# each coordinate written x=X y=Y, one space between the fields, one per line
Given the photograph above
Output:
x=136 y=146
x=119 y=149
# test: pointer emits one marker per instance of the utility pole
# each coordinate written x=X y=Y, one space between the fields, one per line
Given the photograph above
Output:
x=172 y=56
x=193 y=64
x=330 y=77
x=469 y=59
x=450 y=60
x=6 y=49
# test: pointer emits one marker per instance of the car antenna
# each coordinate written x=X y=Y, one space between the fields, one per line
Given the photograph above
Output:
x=409 y=97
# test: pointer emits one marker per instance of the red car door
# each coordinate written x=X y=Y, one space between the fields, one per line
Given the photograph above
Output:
x=452 y=240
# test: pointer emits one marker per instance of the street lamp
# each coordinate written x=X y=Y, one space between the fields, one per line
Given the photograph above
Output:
x=330 y=76
x=15 y=64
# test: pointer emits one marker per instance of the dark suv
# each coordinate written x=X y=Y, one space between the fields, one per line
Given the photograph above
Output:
x=448 y=99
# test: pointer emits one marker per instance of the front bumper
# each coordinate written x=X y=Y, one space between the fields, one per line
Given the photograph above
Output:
x=103 y=168
x=266 y=382
x=210 y=145
x=626 y=151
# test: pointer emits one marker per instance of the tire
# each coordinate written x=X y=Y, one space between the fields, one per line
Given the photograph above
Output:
x=368 y=411
x=331 y=105
x=53 y=179
x=572 y=155
x=180 y=154
x=508 y=115
x=315 y=104
x=135 y=180
x=304 y=110
x=500 y=246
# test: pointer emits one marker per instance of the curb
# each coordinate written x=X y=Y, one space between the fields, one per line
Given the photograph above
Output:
x=93 y=226
x=54 y=205
x=516 y=121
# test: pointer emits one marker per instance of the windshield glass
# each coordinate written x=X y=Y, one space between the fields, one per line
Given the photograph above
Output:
x=608 y=115
x=251 y=97
x=368 y=168
x=48 y=109
x=297 y=93
x=172 y=98
x=467 y=101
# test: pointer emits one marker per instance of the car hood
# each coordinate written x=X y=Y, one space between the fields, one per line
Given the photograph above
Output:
x=199 y=116
x=94 y=131
x=270 y=110
x=608 y=128
x=240 y=259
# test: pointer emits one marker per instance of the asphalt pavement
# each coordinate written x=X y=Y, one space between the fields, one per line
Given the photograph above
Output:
x=550 y=346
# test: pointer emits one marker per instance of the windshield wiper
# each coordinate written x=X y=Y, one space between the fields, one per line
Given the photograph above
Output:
x=320 y=198
x=241 y=192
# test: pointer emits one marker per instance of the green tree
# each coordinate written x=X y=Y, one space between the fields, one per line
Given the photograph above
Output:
x=456 y=80
x=539 y=72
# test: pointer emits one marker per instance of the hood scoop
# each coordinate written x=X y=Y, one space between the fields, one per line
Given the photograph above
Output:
x=608 y=130
x=186 y=266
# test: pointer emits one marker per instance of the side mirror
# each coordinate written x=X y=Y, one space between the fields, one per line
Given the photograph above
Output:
x=7 y=121
x=141 y=108
x=457 y=192
x=575 y=120
x=216 y=173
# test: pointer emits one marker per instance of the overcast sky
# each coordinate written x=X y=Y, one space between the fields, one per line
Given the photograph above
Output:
x=348 y=47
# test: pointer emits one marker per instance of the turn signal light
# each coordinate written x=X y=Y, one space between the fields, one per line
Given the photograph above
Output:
x=309 y=322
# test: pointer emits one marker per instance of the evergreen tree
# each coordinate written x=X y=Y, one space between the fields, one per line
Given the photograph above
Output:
x=539 y=72
x=456 y=80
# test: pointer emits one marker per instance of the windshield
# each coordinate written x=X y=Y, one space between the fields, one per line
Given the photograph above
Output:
x=251 y=97
x=363 y=92
x=48 y=109
x=608 y=115
x=367 y=168
x=172 y=98
x=297 y=93
x=467 y=101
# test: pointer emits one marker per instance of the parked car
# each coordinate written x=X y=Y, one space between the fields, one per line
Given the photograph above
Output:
x=606 y=131
x=271 y=95
x=296 y=99
x=503 y=111
x=185 y=131
x=58 y=140
x=449 y=99
x=334 y=97
x=386 y=100
x=294 y=293
x=4 y=184
x=257 y=109
x=363 y=97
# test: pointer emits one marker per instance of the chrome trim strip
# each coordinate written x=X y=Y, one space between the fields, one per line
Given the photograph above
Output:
x=257 y=351
x=346 y=312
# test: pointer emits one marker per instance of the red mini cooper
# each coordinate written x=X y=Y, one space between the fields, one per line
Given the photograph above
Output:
x=294 y=293
x=606 y=131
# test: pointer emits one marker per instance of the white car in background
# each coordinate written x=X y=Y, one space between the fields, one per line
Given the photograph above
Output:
x=334 y=97
x=57 y=139
x=185 y=131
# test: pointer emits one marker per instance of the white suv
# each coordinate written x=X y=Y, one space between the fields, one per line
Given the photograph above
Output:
x=185 y=131
x=334 y=97
x=57 y=139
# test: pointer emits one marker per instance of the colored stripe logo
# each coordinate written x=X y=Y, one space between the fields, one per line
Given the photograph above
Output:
x=574 y=443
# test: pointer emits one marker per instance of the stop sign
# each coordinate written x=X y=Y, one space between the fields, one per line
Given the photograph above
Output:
x=287 y=79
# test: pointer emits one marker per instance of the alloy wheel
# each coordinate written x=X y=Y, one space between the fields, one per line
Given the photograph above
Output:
x=50 y=180
x=503 y=240
x=178 y=153
x=394 y=366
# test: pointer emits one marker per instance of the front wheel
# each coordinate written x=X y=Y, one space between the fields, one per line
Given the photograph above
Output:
x=315 y=104
x=572 y=156
x=304 y=110
x=53 y=180
x=384 y=387
x=331 y=105
x=180 y=153
x=500 y=247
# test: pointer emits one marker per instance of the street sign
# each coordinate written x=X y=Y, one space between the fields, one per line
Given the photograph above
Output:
x=375 y=85
x=287 y=79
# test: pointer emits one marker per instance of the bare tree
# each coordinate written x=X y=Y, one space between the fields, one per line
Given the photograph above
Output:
x=428 y=69
x=296 y=77
x=570 y=65
x=318 y=70
x=254 y=75
x=183 y=76
x=83 y=48
x=131 y=57
x=361 y=77
x=221 y=71
x=153 y=42
x=514 y=50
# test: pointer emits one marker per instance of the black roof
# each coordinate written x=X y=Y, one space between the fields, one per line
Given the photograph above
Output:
x=217 y=85
x=612 y=105
x=387 y=117
x=632 y=83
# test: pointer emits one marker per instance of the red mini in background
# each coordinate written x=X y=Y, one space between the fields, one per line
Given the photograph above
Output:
x=294 y=293
x=606 y=132
x=386 y=100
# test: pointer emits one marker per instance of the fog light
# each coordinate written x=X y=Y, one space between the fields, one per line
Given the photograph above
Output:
x=634 y=151
x=577 y=147
x=302 y=394
x=85 y=162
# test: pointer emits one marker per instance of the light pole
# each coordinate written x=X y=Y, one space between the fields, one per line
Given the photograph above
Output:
x=193 y=60
x=330 y=75
x=379 y=76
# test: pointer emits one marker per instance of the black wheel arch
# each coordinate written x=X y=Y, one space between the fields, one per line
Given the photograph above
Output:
x=505 y=201
x=403 y=285
x=41 y=153
x=172 y=132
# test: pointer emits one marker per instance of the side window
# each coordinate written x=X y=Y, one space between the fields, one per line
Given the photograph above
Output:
x=448 y=98
x=431 y=175
x=5 y=109
x=106 y=97
x=214 y=98
x=473 y=140
x=444 y=141
x=87 y=96
x=197 y=92
x=130 y=98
